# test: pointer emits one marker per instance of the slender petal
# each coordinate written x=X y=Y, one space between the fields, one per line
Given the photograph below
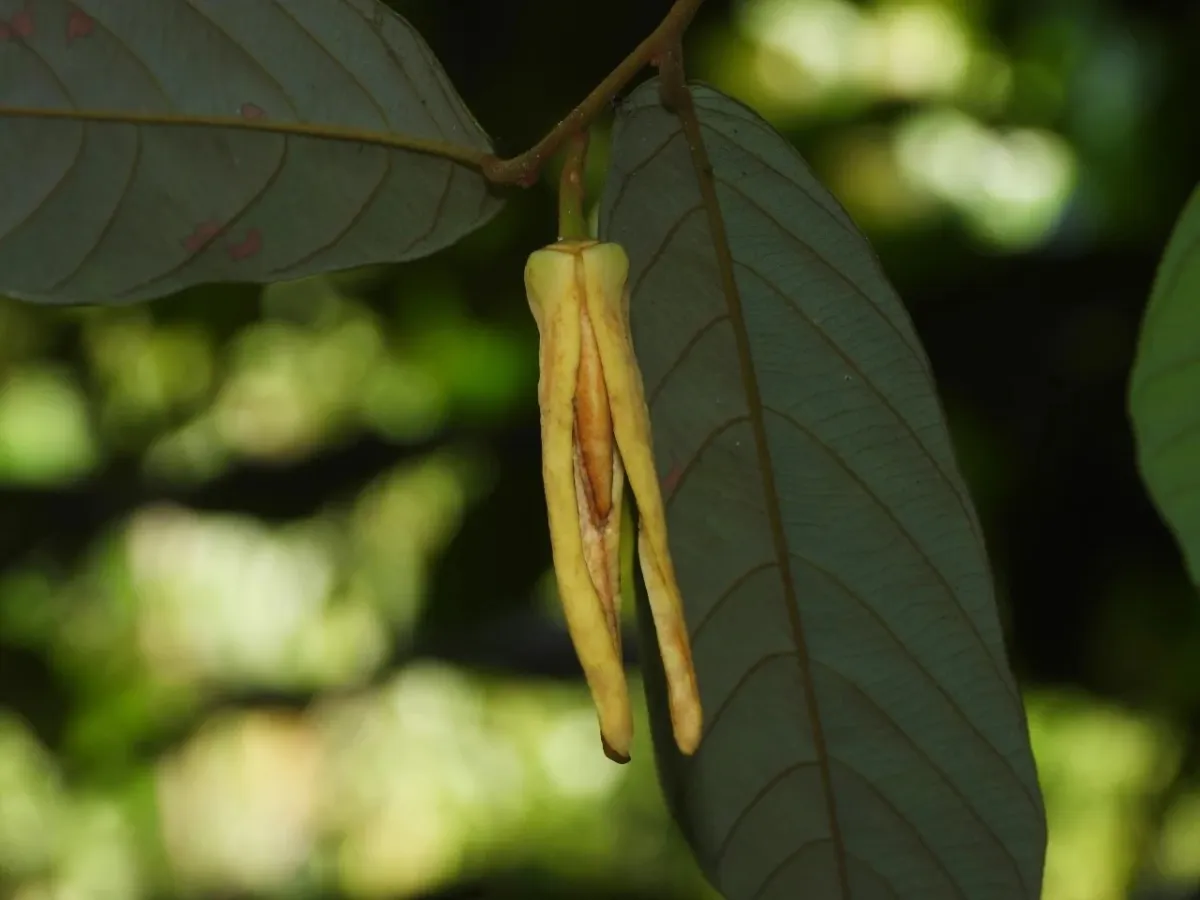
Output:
x=607 y=297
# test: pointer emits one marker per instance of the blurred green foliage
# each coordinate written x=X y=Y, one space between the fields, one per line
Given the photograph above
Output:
x=274 y=615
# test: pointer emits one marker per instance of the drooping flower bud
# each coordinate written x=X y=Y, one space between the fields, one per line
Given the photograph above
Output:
x=595 y=434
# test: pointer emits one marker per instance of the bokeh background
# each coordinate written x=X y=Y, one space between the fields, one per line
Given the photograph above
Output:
x=275 y=610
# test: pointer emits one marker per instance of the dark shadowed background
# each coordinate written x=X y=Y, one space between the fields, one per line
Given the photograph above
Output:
x=275 y=610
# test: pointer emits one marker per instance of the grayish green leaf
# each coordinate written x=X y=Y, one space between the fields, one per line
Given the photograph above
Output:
x=146 y=147
x=864 y=735
x=1164 y=393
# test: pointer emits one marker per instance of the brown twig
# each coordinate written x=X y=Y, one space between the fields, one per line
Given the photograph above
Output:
x=524 y=169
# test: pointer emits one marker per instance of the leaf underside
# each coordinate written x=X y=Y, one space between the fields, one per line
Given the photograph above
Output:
x=98 y=208
x=1164 y=392
x=864 y=736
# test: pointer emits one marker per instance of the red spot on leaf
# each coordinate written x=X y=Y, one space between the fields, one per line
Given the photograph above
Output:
x=672 y=480
x=79 y=24
x=249 y=246
x=22 y=24
x=252 y=111
x=5 y=31
x=202 y=236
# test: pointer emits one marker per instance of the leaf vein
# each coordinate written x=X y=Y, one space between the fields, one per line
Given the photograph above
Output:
x=1173 y=369
x=711 y=725
x=1157 y=451
x=955 y=490
x=843 y=223
x=110 y=220
x=66 y=172
x=708 y=441
x=719 y=235
x=908 y=537
x=683 y=354
x=255 y=62
x=155 y=82
x=934 y=767
x=778 y=869
x=796 y=656
x=280 y=164
x=712 y=611
x=372 y=195
x=396 y=61
x=628 y=176
x=459 y=111
x=439 y=210
x=660 y=251
x=811 y=251
x=384 y=124
x=912 y=827
x=364 y=207
x=762 y=794
x=883 y=624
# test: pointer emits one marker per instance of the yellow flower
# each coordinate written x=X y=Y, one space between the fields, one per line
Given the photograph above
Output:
x=595 y=433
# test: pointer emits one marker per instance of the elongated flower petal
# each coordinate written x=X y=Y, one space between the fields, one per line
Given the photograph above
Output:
x=607 y=297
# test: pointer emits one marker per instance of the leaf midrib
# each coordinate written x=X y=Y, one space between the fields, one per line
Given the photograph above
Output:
x=705 y=178
x=459 y=153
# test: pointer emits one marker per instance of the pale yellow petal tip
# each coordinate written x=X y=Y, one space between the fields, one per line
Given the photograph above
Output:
x=688 y=727
x=687 y=716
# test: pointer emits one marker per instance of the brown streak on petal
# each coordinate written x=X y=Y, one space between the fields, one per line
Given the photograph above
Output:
x=594 y=530
x=593 y=417
x=683 y=693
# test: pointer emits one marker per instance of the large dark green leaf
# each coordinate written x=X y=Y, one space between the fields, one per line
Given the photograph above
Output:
x=149 y=146
x=864 y=735
x=1164 y=393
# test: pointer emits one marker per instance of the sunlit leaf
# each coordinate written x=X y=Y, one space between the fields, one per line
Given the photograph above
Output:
x=1164 y=393
x=146 y=147
x=864 y=735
